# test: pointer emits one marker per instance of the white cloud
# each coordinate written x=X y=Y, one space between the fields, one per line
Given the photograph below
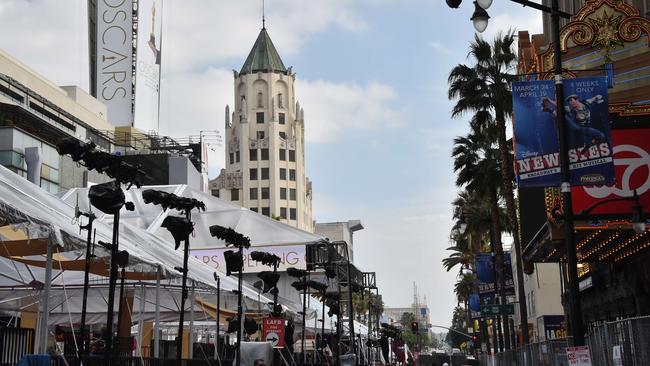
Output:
x=502 y=22
x=334 y=108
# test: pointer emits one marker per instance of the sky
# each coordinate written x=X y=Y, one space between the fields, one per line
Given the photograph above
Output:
x=371 y=76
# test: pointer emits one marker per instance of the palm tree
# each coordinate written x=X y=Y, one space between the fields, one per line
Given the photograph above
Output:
x=484 y=89
x=464 y=287
x=478 y=169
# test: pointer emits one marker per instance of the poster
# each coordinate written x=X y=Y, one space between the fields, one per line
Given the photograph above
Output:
x=475 y=305
x=485 y=274
x=578 y=356
x=114 y=79
x=147 y=72
x=588 y=132
x=273 y=331
x=632 y=167
x=507 y=272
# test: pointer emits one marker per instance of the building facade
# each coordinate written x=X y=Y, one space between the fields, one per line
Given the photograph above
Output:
x=340 y=231
x=265 y=141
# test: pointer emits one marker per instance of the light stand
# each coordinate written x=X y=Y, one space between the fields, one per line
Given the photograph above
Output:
x=89 y=255
x=216 y=347
x=232 y=237
x=180 y=228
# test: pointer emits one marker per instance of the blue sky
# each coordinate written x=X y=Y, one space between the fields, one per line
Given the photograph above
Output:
x=371 y=78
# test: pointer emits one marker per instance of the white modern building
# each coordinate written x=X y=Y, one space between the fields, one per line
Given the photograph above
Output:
x=265 y=144
x=340 y=231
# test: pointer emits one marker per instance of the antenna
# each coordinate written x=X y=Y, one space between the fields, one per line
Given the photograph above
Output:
x=263 y=19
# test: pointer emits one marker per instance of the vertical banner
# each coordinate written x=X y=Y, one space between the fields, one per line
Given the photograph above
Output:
x=588 y=132
x=507 y=272
x=147 y=72
x=115 y=59
x=485 y=273
x=475 y=305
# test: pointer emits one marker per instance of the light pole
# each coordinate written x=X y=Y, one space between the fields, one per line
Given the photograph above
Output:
x=480 y=19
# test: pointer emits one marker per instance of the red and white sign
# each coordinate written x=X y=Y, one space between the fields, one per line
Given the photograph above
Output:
x=273 y=331
x=578 y=356
x=632 y=165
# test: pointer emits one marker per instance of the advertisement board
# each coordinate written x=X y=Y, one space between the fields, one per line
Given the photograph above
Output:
x=507 y=272
x=114 y=81
x=147 y=72
x=290 y=256
x=475 y=305
x=554 y=326
x=578 y=356
x=588 y=132
x=632 y=167
x=273 y=331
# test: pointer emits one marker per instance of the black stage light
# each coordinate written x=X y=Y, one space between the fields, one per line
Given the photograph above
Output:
x=270 y=280
x=122 y=258
x=250 y=326
x=295 y=272
x=454 y=3
x=234 y=261
x=100 y=161
x=233 y=325
x=318 y=286
x=230 y=236
x=334 y=308
x=169 y=200
x=107 y=197
x=126 y=173
x=268 y=259
x=299 y=285
x=74 y=147
x=179 y=227
x=355 y=287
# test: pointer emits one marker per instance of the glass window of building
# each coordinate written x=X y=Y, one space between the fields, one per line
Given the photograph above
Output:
x=283 y=174
x=231 y=158
x=265 y=154
x=254 y=209
x=252 y=174
x=266 y=194
x=281 y=118
x=215 y=192
x=283 y=212
x=237 y=156
x=265 y=173
x=283 y=135
x=234 y=194
x=292 y=174
x=283 y=154
x=252 y=193
x=260 y=100
x=266 y=211
x=292 y=155
x=280 y=100
x=283 y=193
x=260 y=117
x=252 y=153
x=292 y=214
x=260 y=135
x=292 y=194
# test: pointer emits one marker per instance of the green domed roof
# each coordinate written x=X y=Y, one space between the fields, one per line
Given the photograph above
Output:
x=263 y=57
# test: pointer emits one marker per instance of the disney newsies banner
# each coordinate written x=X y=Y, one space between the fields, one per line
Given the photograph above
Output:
x=536 y=142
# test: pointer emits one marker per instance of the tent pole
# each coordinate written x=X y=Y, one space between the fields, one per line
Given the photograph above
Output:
x=112 y=282
x=181 y=320
x=216 y=347
x=322 y=331
x=304 y=320
x=143 y=298
x=120 y=308
x=192 y=321
x=89 y=245
x=239 y=308
x=156 y=329
x=46 y=300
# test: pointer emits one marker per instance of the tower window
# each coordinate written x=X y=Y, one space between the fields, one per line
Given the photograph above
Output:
x=283 y=154
x=292 y=155
x=237 y=156
x=266 y=194
x=260 y=135
x=292 y=214
x=265 y=154
x=292 y=194
x=281 y=118
x=252 y=194
x=215 y=192
x=283 y=193
x=292 y=174
x=266 y=211
x=231 y=157
x=283 y=174
x=260 y=100
x=283 y=212
x=283 y=135
x=265 y=173
x=260 y=117
x=280 y=100
x=252 y=153
x=234 y=194
x=253 y=174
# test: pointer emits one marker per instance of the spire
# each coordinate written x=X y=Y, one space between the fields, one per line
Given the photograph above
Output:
x=263 y=57
x=263 y=20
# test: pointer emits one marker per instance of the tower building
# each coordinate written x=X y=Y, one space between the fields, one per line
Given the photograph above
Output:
x=265 y=143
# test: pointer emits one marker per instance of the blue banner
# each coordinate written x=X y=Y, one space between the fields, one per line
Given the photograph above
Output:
x=536 y=142
x=507 y=272
x=475 y=305
x=485 y=273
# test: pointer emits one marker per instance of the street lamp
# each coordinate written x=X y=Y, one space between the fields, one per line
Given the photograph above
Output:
x=638 y=219
x=485 y=4
x=480 y=18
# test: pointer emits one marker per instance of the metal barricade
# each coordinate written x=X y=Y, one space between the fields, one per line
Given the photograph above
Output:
x=627 y=340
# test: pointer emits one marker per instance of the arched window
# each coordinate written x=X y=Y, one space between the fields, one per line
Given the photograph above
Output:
x=280 y=100
x=260 y=100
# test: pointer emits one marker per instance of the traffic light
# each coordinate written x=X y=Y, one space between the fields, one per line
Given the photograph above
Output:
x=474 y=339
x=414 y=326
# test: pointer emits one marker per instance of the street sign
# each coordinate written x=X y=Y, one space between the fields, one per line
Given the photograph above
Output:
x=273 y=331
x=497 y=309
x=578 y=356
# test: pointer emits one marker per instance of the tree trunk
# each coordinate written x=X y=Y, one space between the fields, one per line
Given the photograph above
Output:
x=507 y=179
x=497 y=249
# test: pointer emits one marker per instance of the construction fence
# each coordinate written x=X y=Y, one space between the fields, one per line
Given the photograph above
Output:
x=622 y=342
